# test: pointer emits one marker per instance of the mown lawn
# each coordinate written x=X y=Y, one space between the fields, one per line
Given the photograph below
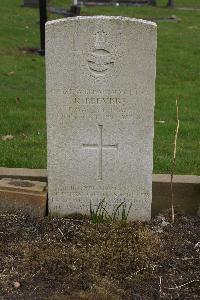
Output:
x=22 y=84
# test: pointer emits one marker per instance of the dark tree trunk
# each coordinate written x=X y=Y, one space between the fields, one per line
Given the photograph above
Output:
x=43 y=19
x=170 y=3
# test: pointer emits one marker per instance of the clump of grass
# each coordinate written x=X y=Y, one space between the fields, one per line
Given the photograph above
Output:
x=121 y=214
x=101 y=215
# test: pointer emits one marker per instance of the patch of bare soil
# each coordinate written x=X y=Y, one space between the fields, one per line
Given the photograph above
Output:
x=71 y=258
x=29 y=50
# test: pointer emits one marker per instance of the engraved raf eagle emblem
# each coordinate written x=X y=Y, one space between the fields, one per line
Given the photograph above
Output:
x=100 y=60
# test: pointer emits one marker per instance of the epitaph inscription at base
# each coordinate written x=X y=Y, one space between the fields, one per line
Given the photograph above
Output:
x=100 y=110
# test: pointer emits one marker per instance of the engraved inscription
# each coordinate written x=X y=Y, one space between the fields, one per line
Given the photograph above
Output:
x=103 y=189
x=111 y=103
x=78 y=91
x=99 y=100
x=100 y=61
x=100 y=147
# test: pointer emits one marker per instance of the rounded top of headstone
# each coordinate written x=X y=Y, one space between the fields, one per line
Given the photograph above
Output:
x=101 y=18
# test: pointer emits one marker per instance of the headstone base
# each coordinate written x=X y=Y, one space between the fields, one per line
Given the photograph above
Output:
x=27 y=197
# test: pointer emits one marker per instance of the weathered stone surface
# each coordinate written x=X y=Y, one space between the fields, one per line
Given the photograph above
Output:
x=186 y=190
x=100 y=107
x=29 y=197
x=24 y=174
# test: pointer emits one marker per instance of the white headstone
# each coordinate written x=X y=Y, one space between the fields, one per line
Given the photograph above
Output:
x=100 y=113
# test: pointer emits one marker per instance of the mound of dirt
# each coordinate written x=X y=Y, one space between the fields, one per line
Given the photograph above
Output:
x=71 y=258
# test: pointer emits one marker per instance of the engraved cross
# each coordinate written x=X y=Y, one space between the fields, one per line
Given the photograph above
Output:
x=100 y=147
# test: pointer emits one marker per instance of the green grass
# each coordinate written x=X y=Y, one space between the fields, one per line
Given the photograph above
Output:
x=22 y=85
x=101 y=215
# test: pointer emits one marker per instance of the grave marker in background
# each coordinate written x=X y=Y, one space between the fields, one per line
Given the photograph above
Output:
x=100 y=111
x=31 y=3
